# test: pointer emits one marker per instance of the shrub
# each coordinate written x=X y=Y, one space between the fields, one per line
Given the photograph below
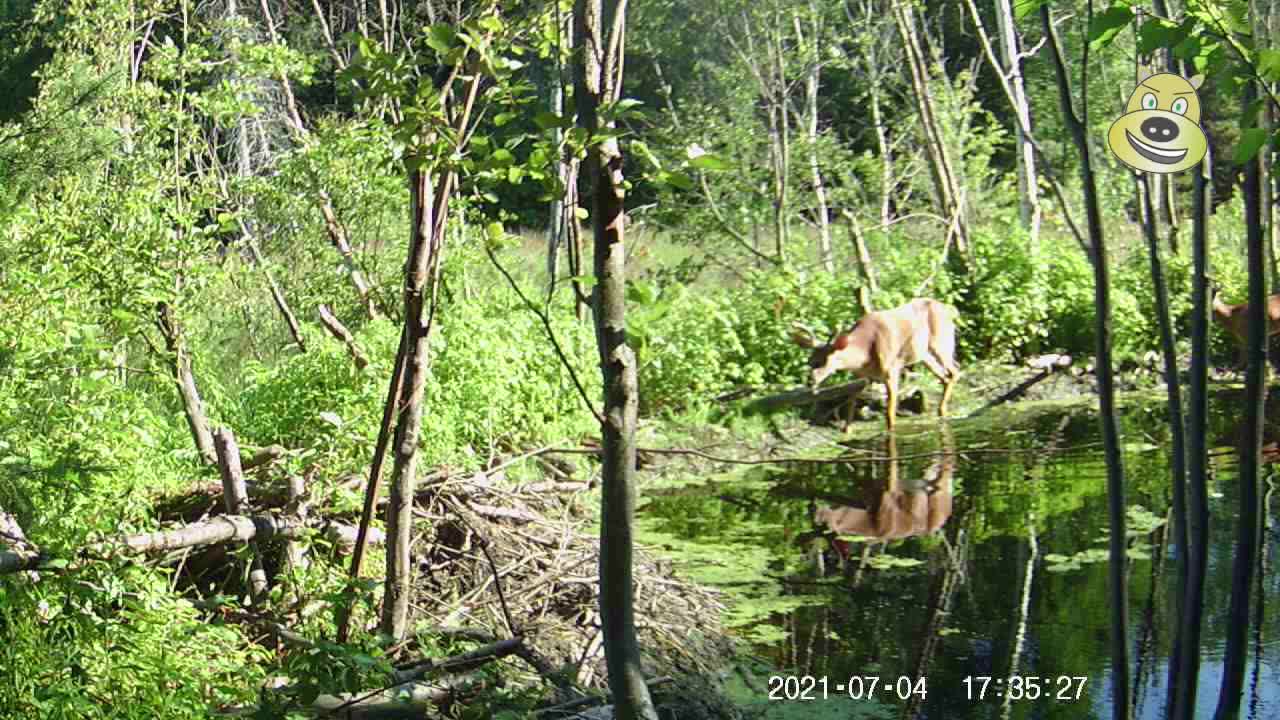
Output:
x=494 y=381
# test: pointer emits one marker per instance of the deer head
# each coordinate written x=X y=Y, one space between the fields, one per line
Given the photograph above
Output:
x=837 y=353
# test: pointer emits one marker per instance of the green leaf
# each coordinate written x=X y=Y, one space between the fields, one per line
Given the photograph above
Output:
x=1023 y=8
x=709 y=162
x=1269 y=64
x=581 y=213
x=1104 y=27
x=1251 y=141
x=503 y=118
x=583 y=280
x=1155 y=34
x=674 y=179
x=502 y=157
x=547 y=120
x=641 y=149
x=441 y=38
x=641 y=292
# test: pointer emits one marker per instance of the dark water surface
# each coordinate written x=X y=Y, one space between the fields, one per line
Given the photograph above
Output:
x=961 y=569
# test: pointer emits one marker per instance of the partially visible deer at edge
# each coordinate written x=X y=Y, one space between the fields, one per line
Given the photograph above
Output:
x=885 y=342
x=1235 y=318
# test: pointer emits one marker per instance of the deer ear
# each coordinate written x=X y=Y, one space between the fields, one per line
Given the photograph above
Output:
x=1196 y=81
x=842 y=341
x=1144 y=72
x=802 y=337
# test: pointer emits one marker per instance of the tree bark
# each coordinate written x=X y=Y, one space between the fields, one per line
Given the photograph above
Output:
x=235 y=496
x=373 y=488
x=422 y=266
x=180 y=368
x=945 y=181
x=1248 y=528
x=340 y=331
x=336 y=230
x=1184 y=666
x=812 y=80
x=1028 y=187
x=598 y=30
x=1118 y=559
x=1178 y=446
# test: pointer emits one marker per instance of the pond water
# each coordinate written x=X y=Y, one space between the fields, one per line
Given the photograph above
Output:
x=960 y=568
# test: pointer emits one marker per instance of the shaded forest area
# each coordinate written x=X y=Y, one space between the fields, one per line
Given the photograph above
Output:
x=330 y=324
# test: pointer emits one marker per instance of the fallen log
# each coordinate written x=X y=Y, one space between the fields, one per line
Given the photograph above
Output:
x=224 y=528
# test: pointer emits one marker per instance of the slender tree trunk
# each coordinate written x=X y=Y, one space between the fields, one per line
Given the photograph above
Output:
x=865 y=265
x=1028 y=186
x=235 y=497
x=277 y=295
x=1118 y=558
x=812 y=82
x=180 y=368
x=598 y=27
x=870 y=46
x=887 y=178
x=419 y=309
x=946 y=182
x=782 y=179
x=558 y=220
x=333 y=227
x=1178 y=447
x=1184 y=668
x=1248 y=529
x=373 y=488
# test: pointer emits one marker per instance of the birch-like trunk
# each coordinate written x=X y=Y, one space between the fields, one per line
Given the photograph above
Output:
x=812 y=80
x=946 y=182
x=1028 y=187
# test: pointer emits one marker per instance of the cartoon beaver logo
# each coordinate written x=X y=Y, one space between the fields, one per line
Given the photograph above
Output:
x=1160 y=130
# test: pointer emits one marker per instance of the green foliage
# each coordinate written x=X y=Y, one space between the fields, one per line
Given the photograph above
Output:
x=494 y=382
x=113 y=642
x=692 y=344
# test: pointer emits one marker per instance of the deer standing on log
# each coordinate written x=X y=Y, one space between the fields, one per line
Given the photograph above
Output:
x=883 y=343
x=1234 y=319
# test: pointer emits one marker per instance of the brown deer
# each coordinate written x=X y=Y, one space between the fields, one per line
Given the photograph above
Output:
x=883 y=343
x=1235 y=319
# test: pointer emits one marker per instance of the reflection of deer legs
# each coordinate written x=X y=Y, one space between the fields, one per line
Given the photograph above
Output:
x=891 y=452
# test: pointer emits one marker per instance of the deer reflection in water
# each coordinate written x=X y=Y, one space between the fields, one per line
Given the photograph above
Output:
x=897 y=508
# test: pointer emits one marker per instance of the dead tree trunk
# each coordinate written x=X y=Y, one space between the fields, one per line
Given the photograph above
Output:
x=812 y=79
x=180 y=369
x=599 y=29
x=946 y=182
x=340 y=331
x=336 y=230
x=236 y=497
x=1028 y=186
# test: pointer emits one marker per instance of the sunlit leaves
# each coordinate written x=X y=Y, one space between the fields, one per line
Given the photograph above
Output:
x=1251 y=140
x=1104 y=26
x=1023 y=8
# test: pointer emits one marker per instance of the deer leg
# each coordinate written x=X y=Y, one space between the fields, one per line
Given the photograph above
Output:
x=945 y=371
x=891 y=385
